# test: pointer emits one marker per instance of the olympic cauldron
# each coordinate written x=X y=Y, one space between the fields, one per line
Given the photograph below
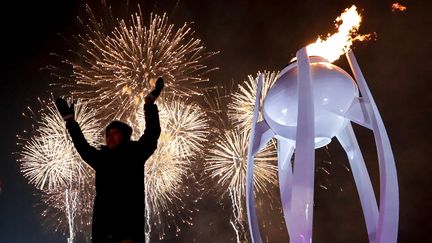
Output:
x=312 y=102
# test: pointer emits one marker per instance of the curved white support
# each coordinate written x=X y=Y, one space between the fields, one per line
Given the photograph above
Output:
x=250 y=197
x=297 y=183
x=361 y=177
x=389 y=192
x=359 y=113
x=304 y=163
x=262 y=135
x=285 y=152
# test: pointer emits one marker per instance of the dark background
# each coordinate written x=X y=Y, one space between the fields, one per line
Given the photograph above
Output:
x=250 y=35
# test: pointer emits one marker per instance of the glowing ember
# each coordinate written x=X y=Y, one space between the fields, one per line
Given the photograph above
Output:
x=398 y=7
x=339 y=43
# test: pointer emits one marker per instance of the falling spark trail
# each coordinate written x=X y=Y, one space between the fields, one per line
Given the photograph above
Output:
x=238 y=214
x=70 y=213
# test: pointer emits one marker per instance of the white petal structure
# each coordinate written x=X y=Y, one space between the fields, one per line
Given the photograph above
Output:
x=312 y=102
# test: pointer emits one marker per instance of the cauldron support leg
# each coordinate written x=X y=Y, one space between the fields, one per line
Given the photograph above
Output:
x=361 y=177
x=302 y=198
x=389 y=191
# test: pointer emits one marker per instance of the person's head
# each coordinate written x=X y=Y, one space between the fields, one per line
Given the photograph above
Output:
x=116 y=133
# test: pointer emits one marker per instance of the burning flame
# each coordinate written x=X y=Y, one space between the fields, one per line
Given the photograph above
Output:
x=339 y=43
x=398 y=7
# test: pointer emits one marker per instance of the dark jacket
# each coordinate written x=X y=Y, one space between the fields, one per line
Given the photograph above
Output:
x=119 y=203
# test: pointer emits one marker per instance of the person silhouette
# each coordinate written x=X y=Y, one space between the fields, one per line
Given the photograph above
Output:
x=118 y=211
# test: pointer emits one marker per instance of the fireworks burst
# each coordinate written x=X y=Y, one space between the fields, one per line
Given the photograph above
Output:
x=226 y=163
x=184 y=126
x=241 y=109
x=69 y=210
x=184 y=134
x=115 y=65
x=49 y=159
x=50 y=162
x=120 y=60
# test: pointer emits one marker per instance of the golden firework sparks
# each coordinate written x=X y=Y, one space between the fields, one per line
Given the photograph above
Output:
x=49 y=159
x=50 y=162
x=184 y=134
x=119 y=61
x=240 y=110
x=226 y=163
x=116 y=65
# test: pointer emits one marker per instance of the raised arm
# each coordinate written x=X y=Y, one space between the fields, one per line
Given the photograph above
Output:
x=148 y=141
x=87 y=152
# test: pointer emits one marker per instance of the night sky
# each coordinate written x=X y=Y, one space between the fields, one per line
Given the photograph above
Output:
x=250 y=35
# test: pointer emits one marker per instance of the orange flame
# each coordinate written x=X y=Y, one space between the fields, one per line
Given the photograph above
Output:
x=339 y=43
x=398 y=7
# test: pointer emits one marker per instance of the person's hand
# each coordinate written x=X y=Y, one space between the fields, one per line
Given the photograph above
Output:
x=159 y=84
x=66 y=111
x=151 y=98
